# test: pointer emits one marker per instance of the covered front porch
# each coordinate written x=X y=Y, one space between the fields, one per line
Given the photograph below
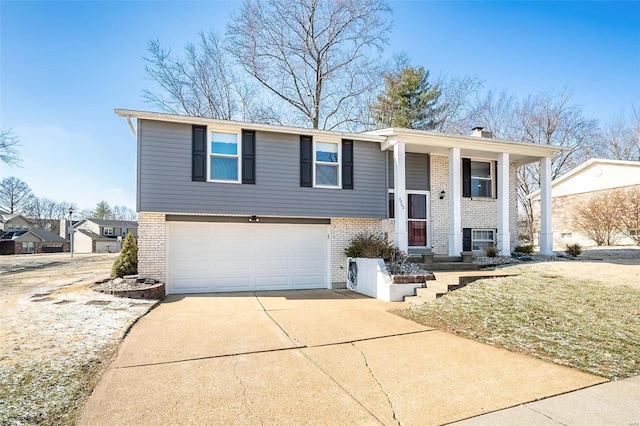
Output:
x=471 y=201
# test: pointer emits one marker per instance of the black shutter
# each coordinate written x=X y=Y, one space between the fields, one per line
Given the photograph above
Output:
x=199 y=154
x=306 y=161
x=248 y=157
x=466 y=177
x=495 y=180
x=466 y=239
x=347 y=164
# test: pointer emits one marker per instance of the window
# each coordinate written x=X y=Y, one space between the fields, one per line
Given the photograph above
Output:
x=108 y=231
x=224 y=157
x=123 y=232
x=28 y=247
x=481 y=179
x=481 y=239
x=634 y=232
x=327 y=164
x=10 y=227
x=566 y=235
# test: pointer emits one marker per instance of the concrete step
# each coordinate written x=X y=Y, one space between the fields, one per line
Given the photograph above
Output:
x=429 y=294
x=449 y=266
x=447 y=259
x=444 y=286
x=416 y=300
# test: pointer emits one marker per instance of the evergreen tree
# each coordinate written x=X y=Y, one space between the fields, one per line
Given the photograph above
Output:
x=408 y=101
x=102 y=211
x=127 y=262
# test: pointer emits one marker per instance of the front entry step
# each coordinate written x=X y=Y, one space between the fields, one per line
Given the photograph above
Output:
x=450 y=266
x=449 y=281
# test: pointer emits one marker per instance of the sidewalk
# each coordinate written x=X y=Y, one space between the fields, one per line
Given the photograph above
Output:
x=613 y=403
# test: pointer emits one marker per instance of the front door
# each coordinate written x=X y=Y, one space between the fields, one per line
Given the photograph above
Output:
x=417 y=219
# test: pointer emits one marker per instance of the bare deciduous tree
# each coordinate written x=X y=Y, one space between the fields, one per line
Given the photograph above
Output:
x=629 y=223
x=47 y=213
x=599 y=218
x=317 y=56
x=15 y=195
x=8 y=148
x=548 y=118
x=200 y=84
x=123 y=213
x=455 y=104
x=619 y=139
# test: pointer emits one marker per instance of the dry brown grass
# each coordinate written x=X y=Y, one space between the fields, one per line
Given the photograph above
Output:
x=573 y=322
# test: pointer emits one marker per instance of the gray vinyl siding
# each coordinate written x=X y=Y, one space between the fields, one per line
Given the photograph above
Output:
x=416 y=171
x=165 y=185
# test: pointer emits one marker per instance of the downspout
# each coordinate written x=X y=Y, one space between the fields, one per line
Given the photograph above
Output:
x=133 y=129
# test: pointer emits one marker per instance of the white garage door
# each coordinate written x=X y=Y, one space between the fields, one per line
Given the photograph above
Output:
x=215 y=257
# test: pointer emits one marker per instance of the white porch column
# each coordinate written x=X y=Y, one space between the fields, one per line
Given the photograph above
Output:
x=546 y=232
x=401 y=238
x=455 y=218
x=504 y=235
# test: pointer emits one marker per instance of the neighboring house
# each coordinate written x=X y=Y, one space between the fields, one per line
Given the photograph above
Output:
x=13 y=222
x=590 y=179
x=101 y=236
x=234 y=206
x=34 y=240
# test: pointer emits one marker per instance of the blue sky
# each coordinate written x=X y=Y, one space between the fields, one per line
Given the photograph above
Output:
x=64 y=67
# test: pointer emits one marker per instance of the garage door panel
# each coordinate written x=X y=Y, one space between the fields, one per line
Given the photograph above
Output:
x=214 y=257
x=232 y=284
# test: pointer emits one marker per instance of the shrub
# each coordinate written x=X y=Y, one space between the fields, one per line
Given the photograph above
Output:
x=573 y=250
x=491 y=251
x=127 y=262
x=374 y=246
x=526 y=249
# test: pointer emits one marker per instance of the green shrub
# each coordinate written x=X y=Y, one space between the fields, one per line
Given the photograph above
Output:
x=491 y=251
x=127 y=262
x=526 y=249
x=374 y=246
x=573 y=250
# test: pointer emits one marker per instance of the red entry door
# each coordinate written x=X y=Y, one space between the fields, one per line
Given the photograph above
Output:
x=417 y=216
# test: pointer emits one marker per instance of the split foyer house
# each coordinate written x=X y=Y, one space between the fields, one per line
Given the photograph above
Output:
x=235 y=206
x=101 y=235
x=590 y=179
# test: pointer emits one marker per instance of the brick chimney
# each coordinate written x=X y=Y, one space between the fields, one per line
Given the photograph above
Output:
x=479 y=132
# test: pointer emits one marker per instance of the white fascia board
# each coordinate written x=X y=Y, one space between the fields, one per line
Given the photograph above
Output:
x=582 y=167
x=239 y=125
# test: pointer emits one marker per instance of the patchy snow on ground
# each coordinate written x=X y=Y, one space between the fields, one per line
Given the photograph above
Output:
x=52 y=343
x=14 y=267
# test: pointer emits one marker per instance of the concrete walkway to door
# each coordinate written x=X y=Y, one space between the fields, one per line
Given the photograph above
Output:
x=308 y=357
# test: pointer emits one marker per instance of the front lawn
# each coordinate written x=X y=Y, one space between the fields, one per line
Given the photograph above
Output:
x=578 y=323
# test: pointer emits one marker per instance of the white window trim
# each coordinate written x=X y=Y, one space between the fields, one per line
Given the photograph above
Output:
x=493 y=231
x=104 y=231
x=124 y=232
x=492 y=171
x=210 y=155
x=338 y=165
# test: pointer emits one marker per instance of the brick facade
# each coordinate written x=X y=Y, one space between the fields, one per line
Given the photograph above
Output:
x=475 y=213
x=342 y=231
x=562 y=213
x=152 y=247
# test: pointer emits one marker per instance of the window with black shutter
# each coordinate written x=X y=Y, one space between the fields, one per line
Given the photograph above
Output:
x=306 y=161
x=347 y=164
x=199 y=154
x=248 y=157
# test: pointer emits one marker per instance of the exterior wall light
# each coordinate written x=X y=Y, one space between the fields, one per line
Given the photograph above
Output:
x=442 y=193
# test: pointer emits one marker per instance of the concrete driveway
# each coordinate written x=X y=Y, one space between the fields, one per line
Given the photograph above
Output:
x=308 y=357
